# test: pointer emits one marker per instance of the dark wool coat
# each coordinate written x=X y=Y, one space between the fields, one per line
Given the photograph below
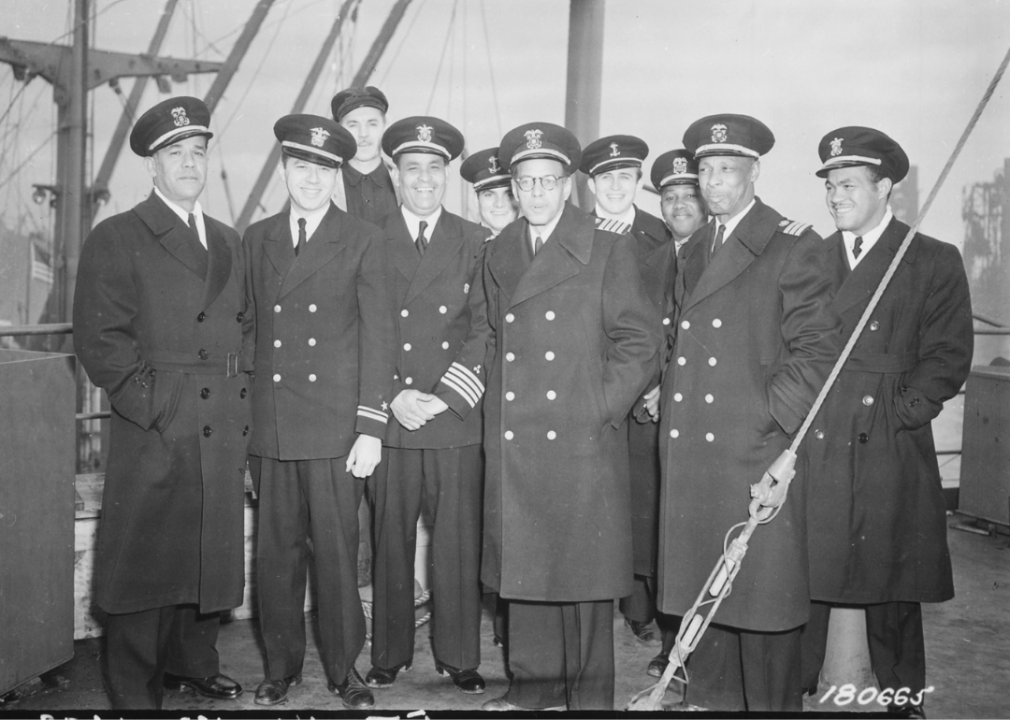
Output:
x=570 y=340
x=433 y=319
x=165 y=341
x=324 y=337
x=754 y=343
x=877 y=525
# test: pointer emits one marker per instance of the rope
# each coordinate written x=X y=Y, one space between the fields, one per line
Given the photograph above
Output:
x=441 y=60
x=490 y=68
x=403 y=40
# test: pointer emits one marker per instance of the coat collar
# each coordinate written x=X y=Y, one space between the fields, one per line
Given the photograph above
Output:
x=446 y=241
x=218 y=261
x=323 y=247
x=173 y=235
x=860 y=283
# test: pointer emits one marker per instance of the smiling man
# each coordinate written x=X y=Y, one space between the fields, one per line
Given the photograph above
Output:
x=365 y=185
x=324 y=361
x=161 y=323
x=571 y=339
x=877 y=518
x=430 y=462
x=493 y=185
x=753 y=342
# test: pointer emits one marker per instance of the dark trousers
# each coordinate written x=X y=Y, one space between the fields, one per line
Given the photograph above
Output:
x=640 y=606
x=142 y=646
x=561 y=654
x=299 y=501
x=735 y=670
x=449 y=484
x=894 y=635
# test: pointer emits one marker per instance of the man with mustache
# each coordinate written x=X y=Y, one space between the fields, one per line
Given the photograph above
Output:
x=365 y=189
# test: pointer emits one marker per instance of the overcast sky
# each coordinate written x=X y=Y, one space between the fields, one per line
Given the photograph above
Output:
x=913 y=68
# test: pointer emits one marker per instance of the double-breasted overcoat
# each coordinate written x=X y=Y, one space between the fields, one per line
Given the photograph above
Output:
x=165 y=330
x=754 y=341
x=566 y=344
x=877 y=519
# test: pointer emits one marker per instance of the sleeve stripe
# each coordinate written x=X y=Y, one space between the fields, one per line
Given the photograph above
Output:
x=465 y=392
x=464 y=374
x=373 y=414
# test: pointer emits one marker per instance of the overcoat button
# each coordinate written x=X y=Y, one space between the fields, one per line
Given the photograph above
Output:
x=312 y=342
x=709 y=398
x=207 y=432
x=551 y=394
x=874 y=326
x=666 y=321
x=312 y=307
x=682 y=360
x=201 y=317
x=549 y=355
x=509 y=435
x=685 y=324
x=863 y=437
x=405 y=312
x=678 y=397
x=240 y=317
x=510 y=356
x=242 y=393
x=445 y=345
x=551 y=435
x=203 y=354
x=674 y=433
x=443 y=309
x=406 y=346
x=867 y=400
x=312 y=377
x=205 y=393
x=277 y=377
x=509 y=318
x=712 y=361
x=819 y=434
x=717 y=323
x=709 y=436
x=277 y=343
x=409 y=381
x=245 y=430
x=277 y=308
x=510 y=395
x=550 y=315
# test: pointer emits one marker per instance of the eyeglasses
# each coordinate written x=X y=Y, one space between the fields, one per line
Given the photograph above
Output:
x=547 y=182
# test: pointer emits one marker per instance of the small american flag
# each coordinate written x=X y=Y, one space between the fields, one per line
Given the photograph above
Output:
x=42 y=268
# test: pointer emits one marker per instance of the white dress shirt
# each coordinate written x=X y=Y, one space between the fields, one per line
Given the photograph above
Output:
x=201 y=229
x=869 y=239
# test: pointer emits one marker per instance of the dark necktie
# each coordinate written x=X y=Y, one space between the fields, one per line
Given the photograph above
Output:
x=196 y=233
x=302 y=239
x=717 y=243
x=421 y=243
x=857 y=247
x=538 y=245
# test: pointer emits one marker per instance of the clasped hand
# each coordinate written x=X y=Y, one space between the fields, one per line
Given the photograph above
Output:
x=413 y=408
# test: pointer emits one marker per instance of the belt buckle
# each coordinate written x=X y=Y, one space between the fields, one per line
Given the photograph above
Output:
x=232 y=367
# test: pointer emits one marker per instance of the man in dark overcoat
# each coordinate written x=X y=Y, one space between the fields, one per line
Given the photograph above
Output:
x=161 y=324
x=876 y=516
x=430 y=462
x=566 y=343
x=324 y=361
x=364 y=187
x=754 y=343
x=614 y=166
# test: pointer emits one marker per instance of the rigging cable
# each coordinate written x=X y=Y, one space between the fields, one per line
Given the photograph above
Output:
x=441 y=60
x=403 y=41
x=490 y=67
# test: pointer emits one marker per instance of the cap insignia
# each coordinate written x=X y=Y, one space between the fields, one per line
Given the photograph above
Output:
x=719 y=133
x=680 y=165
x=179 y=117
x=614 y=151
x=492 y=164
x=319 y=136
x=424 y=133
x=533 y=141
x=836 y=147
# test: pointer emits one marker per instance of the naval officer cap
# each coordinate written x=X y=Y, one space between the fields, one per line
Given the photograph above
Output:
x=540 y=140
x=613 y=152
x=422 y=134
x=484 y=170
x=674 y=167
x=850 y=146
x=727 y=134
x=316 y=139
x=357 y=97
x=169 y=122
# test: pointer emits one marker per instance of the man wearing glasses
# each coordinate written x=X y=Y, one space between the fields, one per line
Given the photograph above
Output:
x=571 y=339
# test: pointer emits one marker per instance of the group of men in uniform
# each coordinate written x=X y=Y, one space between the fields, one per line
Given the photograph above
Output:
x=579 y=401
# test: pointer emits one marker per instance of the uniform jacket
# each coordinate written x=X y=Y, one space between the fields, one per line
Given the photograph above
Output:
x=369 y=196
x=566 y=344
x=754 y=342
x=433 y=319
x=164 y=329
x=877 y=519
x=324 y=337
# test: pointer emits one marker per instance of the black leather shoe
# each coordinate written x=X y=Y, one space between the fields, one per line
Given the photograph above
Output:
x=353 y=692
x=468 y=681
x=645 y=632
x=219 y=687
x=381 y=678
x=906 y=711
x=657 y=666
x=274 y=692
x=499 y=641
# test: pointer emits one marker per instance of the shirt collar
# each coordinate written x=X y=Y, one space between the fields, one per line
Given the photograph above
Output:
x=627 y=217
x=183 y=213
x=735 y=220
x=312 y=221
x=414 y=222
x=545 y=232
x=869 y=239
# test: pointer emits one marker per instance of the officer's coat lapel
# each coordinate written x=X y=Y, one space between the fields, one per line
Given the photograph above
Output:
x=173 y=235
x=747 y=241
x=218 y=262
x=863 y=280
x=401 y=250
x=567 y=250
x=323 y=246
x=511 y=257
x=278 y=245
x=446 y=241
